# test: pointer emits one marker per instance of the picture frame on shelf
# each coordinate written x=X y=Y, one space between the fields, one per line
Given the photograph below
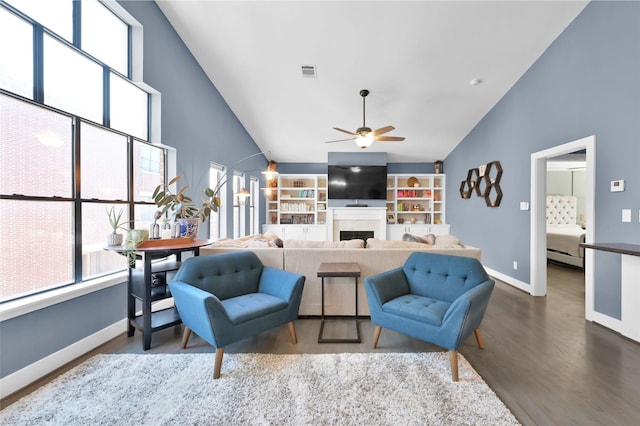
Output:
x=391 y=218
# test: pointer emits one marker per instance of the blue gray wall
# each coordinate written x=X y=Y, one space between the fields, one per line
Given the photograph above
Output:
x=196 y=120
x=586 y=83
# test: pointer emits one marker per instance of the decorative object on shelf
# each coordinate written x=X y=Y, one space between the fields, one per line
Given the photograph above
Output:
x=166 y=231
x=413 y=182
x=115 y=220
x=438 y=167
x=154 y=229
x=492 y=176
x=391 y=218
x=485 y=181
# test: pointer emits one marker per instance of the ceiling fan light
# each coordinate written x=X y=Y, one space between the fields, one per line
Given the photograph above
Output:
x=364 y=141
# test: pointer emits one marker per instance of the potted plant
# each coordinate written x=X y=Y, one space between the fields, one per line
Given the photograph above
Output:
x=182 y=207
x=116 y=222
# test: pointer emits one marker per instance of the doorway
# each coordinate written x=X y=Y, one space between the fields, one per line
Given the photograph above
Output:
x=538 y=277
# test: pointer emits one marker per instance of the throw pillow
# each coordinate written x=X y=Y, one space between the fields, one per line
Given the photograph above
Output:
x=430 y=239
x=447 y=240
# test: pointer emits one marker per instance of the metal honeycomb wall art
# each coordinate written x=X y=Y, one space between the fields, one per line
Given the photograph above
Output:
x=485 y=183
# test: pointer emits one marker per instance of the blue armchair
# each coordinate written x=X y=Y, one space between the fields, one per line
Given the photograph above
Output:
x=228 y=297
x=438 y=298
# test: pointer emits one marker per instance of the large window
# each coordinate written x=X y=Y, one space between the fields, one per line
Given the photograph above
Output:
x=51 y=200
x=103 y=165
x=73 y=56
x=57 y=15
x=35 y=166
x=216 y=176
x=104 y=35
x=254 y=203
x=239 y=210
x=61 y=169
x=128 y=107
x=16 y=58
x=72 y=82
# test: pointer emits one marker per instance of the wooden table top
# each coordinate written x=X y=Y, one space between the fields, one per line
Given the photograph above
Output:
x=339 y=269
x=168 y=244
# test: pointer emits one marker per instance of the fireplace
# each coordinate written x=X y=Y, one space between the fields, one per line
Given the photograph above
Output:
x=356 y=219
x=354 y=235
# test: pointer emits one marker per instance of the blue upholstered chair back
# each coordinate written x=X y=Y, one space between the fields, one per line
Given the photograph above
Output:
x=214 y=273
x=442 y=277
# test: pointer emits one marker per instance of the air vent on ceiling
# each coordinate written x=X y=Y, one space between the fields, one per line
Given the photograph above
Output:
x=309 y=71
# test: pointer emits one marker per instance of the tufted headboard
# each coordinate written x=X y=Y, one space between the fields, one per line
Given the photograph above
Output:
x=561 y=209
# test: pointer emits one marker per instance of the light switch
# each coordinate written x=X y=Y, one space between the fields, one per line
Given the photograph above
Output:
x=626 y=215
x=524 y=205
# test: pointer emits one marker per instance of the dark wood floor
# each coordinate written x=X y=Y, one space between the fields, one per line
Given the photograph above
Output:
x=548 y=365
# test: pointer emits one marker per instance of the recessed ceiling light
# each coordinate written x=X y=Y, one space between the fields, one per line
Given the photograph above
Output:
x=475 y=81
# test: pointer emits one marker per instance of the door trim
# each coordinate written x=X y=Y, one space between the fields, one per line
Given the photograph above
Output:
x=538 y=255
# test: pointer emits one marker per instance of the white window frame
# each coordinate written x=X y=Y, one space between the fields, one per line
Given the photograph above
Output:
x=216 y=174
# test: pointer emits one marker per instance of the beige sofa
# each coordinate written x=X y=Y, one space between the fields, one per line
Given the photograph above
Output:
x=304 y=257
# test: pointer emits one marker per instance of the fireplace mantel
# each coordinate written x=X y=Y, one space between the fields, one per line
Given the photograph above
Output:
x=356 y=219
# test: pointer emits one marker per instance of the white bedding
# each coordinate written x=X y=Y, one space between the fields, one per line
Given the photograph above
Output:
x=566 y=239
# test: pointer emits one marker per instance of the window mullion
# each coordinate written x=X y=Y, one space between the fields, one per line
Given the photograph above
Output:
x=77 y=24
x=38 y=60
x=106 y=96
x=77 y=202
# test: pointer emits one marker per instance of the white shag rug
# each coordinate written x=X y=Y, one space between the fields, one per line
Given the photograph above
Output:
x=263 y=389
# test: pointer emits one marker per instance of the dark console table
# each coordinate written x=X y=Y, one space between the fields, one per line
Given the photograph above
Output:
x=346 y=270
x=142 y=287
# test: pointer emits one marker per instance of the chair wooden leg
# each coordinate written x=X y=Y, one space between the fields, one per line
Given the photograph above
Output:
x=479 y=338
x=185 y=337
x=292 y=332
x=376 y=336
x=453 y=357
x=218 y=365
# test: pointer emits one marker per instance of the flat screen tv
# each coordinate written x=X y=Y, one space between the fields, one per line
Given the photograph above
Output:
x=357 y=182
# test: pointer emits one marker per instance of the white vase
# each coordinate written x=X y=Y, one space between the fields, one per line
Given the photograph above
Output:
x=114 y=239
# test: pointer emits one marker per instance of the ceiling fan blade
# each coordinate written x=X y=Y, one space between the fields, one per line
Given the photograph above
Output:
x=345 y=131
x=340 y=140
x=383 y=130
x=389 y=138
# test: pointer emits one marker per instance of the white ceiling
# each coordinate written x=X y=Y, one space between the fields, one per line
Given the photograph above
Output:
x=416 y=58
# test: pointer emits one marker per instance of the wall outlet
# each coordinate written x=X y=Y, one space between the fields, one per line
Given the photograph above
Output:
x=626 y=215
x=515 y=265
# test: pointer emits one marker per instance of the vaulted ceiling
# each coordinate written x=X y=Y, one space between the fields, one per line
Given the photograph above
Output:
x=416 y=58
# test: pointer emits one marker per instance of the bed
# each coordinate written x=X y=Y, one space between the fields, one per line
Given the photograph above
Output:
x=564 y=235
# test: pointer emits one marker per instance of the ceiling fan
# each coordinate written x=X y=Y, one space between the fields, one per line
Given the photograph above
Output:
x=364 y=136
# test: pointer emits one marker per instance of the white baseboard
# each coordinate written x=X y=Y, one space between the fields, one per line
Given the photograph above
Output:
x=521 y=285
x=29 y=374
x=606 y=321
